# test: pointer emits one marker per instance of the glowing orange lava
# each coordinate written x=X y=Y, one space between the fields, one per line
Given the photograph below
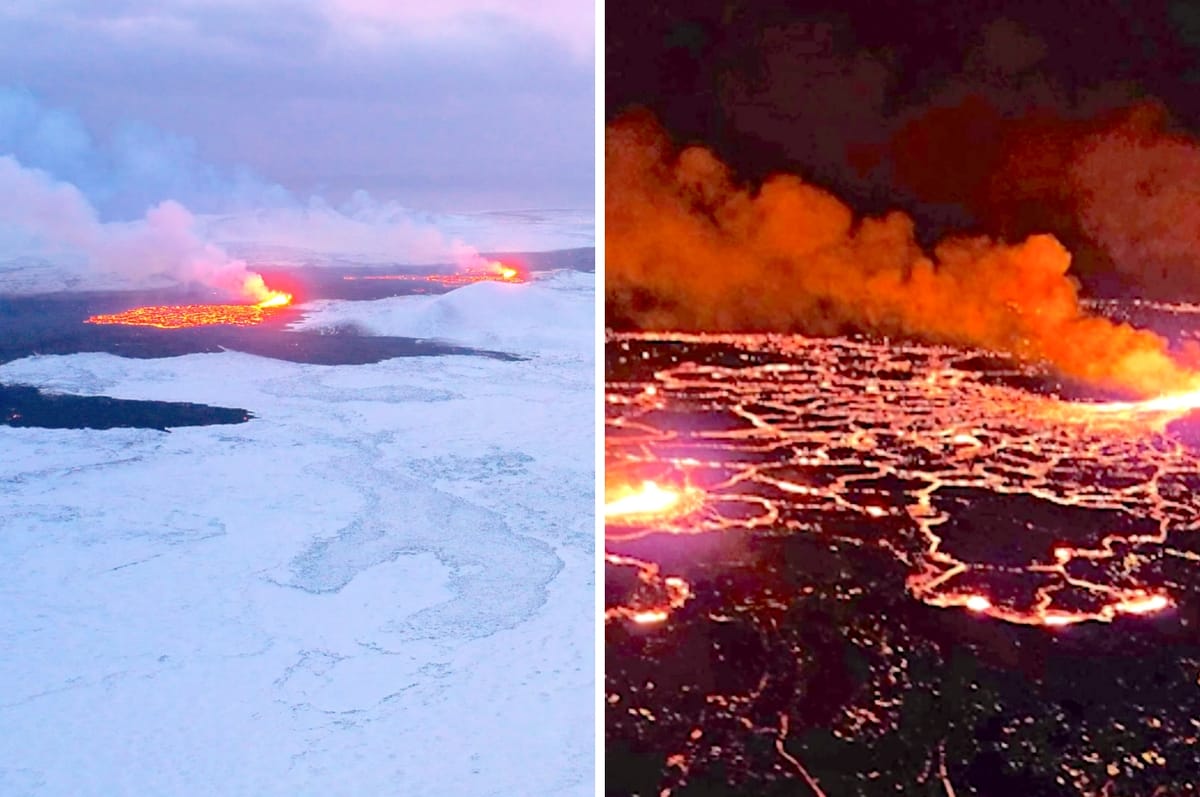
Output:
x=649 y=616
x=966 y=443
x=978 y=603
x=648 y=503
x=1173 y=404
x=495 y=271
x=658 y=596
x=196 y=315
x=649 y=500
x=1146 y=605
x=255 y=288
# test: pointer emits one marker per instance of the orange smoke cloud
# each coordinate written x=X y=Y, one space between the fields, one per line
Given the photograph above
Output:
x=689 y=249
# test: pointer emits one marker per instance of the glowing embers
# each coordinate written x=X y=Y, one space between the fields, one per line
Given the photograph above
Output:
x=494 y=271
x=266 y=303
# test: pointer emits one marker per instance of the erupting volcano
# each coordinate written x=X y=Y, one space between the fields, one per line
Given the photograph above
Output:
x=908 y=299
x=810 y=529
x=266 y=303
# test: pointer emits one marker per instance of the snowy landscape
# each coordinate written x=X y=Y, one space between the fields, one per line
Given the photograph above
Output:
x=380 y=584
x=297 y=398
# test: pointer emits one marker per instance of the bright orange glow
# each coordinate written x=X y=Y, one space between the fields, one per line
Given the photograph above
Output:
x=255 y=288
x=196 y=315
x=1172 y=404
x=649 y=503
x=648 y=617
x=978 y=603
x=676 y=220
x=494 y=272
x=656 y=597
x=649 y=500
x=1146 y=605
x=276 y=299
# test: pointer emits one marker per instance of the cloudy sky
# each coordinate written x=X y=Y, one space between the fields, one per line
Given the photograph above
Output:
x=454 y=105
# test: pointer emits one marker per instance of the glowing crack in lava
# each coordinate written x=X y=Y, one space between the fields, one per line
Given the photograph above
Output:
x=495 y=271
x=266 y=302
x=653 y=596
x=1007 y=503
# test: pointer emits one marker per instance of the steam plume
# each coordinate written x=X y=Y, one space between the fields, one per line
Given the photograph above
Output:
x=60 y=220
x=689 y=249
x=113 y=213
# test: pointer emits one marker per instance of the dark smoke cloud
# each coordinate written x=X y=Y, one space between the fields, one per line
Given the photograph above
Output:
x=1136 y=196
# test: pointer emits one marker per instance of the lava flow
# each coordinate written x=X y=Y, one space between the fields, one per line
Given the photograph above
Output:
x=495 y=271
x=1173 y=405
x=786 y=519
x=652 y=596
x=194 y=315
x=995 y=499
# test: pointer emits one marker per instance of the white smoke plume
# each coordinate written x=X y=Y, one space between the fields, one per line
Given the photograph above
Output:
x=143 y=209
x=55 y=220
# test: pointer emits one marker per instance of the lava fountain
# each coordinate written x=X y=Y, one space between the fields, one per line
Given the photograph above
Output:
x=266 y=302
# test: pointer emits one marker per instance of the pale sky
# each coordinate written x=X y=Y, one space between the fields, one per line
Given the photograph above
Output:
x=450 y=105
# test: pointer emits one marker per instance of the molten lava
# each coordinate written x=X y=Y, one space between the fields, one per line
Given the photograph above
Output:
x=266 y=302
x=955 y=474
x=649 y=503
x=655 y=596
x=495 y=271
x=651 y=500
x=1175 y=404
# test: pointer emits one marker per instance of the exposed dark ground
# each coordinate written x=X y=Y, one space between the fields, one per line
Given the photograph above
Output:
x=28 y=406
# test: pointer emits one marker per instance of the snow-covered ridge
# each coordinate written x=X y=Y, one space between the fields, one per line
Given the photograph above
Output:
x=554 y=313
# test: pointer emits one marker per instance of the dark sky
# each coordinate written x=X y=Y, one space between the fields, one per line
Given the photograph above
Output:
x=970 y=116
